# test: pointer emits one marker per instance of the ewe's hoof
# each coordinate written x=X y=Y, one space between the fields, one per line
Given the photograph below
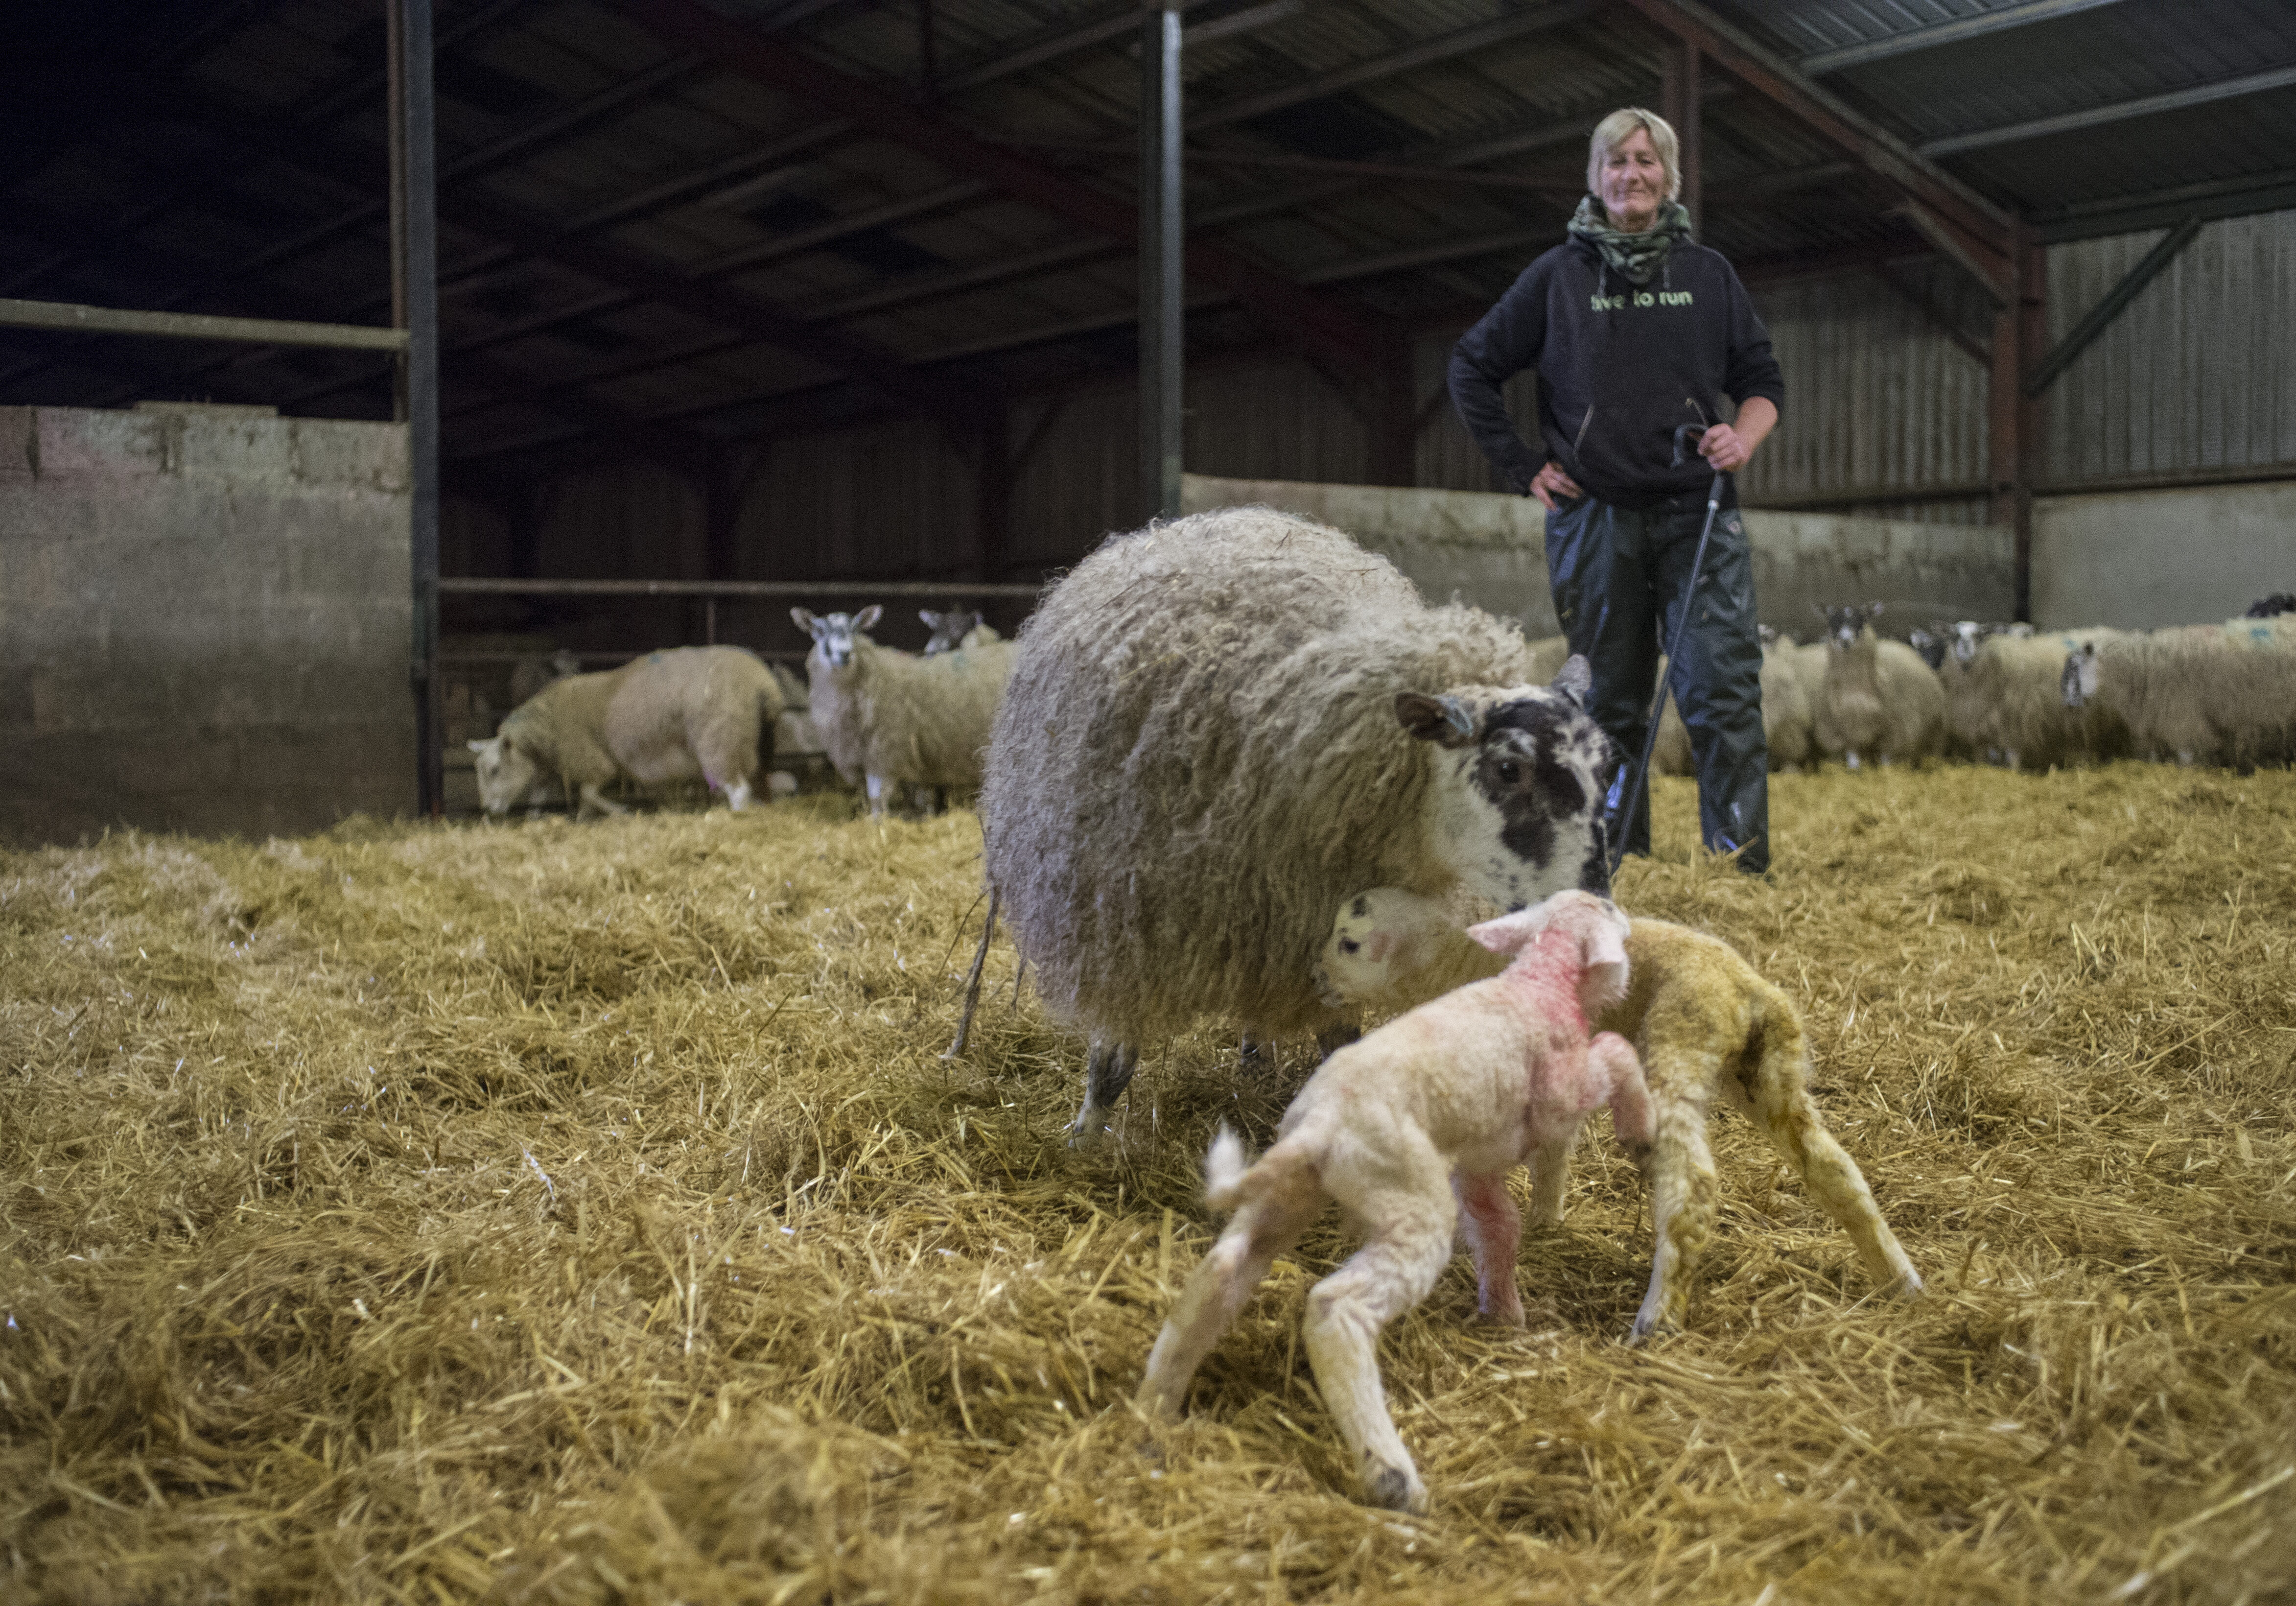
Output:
x=1397 y=1489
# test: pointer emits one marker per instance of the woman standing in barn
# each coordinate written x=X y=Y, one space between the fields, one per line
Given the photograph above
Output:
x=1634 y=330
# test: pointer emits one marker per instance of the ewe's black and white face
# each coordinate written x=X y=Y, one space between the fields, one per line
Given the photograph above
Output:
x=2079 y=681
x=833 y=633
x=1516 y=808
x=1844 y=625
x=948 y=629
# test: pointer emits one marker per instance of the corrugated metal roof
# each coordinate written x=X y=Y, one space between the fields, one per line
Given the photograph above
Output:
x=237 y=168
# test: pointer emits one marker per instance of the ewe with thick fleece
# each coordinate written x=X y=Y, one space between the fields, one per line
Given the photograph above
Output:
x=1412 y=1131
x=1704 y=1024
x=1221 y=727
x=886 y=716
x=2204 y=693
x=2006 y=700
x=1879 y=699
x=677 y=714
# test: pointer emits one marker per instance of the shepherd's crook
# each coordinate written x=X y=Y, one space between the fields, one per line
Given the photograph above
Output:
x=956 y=1050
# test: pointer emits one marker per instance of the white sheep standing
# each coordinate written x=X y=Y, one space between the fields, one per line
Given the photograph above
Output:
x=1706 y=1025
x=889 y=717
x=1878 y=701
x=677 y=714
x=2004 y=698
x=2202 y=693
x=1413 y=1131
x=1221 y=726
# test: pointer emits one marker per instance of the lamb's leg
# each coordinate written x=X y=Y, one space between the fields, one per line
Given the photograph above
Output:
x=1782 y=1108
x=1398 y=1264
x=1550 y=1178
x=1263 y=1229
x=1493 y=1228
x=1685 y=1195
x=1107 y=1072
x=594 y=801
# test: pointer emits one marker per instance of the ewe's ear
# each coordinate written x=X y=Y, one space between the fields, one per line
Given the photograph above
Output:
x=1873 y=609
x=1443 y=720
x=931 y=620
x=1575 y=679
x=868 y=616
x=478 y=747
x=804 y=620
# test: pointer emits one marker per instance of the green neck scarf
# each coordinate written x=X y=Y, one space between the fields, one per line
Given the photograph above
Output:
x=1635 y=257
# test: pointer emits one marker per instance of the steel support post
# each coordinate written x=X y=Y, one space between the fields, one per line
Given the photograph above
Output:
x=1679 y=98
x=1163 y=278
x=2011 y=417
x=415 y=276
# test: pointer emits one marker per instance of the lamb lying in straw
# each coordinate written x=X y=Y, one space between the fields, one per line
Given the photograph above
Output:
x=1451 y=1096
x=1703 y=1022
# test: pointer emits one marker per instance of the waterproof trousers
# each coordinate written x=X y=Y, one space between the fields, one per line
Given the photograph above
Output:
x=1619 y=578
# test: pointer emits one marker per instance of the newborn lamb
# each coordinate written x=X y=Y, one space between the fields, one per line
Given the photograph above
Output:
x=1407 y=1129
x=1706 y=1027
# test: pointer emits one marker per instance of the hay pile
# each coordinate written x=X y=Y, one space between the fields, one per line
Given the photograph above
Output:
x=575 y=1214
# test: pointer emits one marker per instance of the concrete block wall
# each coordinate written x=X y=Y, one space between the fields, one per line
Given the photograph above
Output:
x=204 y=621
x=1490 y=549
x=2139 y=560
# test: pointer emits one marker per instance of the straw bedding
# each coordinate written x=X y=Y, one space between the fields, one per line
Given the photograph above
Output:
x=581 y=1214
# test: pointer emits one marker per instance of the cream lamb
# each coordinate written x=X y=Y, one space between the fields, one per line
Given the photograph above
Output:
x=677 y=714
x=1705 y=1024
x=1413 y=1131
x=1220 y=728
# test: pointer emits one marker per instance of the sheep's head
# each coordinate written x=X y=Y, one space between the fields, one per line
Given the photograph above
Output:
x=1595 y=924
x=506 y=773
x=2079 y=681
x=1515 y=809
x=1844 y=626
x=948 y=629
x=835 y=634
x=1377 y=936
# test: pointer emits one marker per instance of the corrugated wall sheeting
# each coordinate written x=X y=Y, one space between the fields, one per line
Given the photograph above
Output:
x=636 y=520
x=2199 y=372
x=885 y=500
x=1876 y=395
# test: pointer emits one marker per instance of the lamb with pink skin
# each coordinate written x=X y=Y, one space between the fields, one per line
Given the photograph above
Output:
x=1407 y=1130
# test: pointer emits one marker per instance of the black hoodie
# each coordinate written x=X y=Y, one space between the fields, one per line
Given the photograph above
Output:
x=1618 y=367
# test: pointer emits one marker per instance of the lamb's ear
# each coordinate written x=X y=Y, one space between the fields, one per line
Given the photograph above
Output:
x=1508 y=934
x=1444 y=720
x=1575 y=679
x=1603 y=957
x=804 y=620
x=868 y=616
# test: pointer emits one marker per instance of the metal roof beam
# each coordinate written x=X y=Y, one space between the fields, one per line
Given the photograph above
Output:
x=2099 y=317
x=1327 y=330
x=1461 y=42
x=2114 y=111
x=1935 y=34
x=1771 y=76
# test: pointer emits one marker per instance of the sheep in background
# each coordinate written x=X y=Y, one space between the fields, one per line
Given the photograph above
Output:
x=1878 y=699
x=1789 y=675
x=889 y=717
x=2273 y=606
x=679 y=715
x=958 y=627
x=2004 y=698
x=1704 y=1023
x=1221 y=726
x=2205 y=694
x=1413 y=1131
x=534 y=671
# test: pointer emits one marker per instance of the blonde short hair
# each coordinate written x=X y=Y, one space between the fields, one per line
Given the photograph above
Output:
x=1618 y=127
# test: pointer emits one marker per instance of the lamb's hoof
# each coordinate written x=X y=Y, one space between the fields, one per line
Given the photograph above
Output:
x=1396 y=1489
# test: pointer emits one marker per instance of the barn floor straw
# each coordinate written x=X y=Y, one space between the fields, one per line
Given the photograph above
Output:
x=579 y=1214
